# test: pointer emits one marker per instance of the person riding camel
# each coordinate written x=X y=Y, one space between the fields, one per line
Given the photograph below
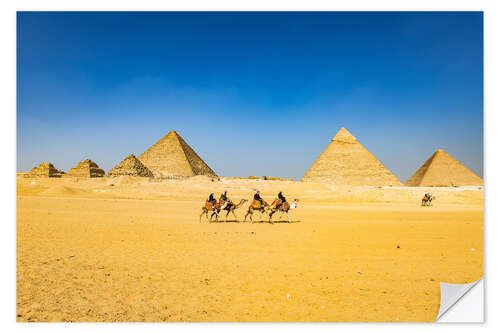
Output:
x=211 y=199
x=281 y=200
x=258 y=198
x=223 y=197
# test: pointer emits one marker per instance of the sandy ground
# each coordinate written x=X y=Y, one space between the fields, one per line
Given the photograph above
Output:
x=128 y=249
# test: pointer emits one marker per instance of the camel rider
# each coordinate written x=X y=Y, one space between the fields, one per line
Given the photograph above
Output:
x=212 y=200
x=281 y=199
x=427 y=196
x=223 y=197
x=258 y=198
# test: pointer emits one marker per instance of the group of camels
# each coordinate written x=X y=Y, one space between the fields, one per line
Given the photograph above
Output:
x=272 y=209
x=230 y=207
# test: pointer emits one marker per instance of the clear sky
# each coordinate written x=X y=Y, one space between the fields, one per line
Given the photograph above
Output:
x=252 y=93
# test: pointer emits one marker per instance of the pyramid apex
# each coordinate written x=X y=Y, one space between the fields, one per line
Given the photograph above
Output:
x=344 y=135
x=441 y=153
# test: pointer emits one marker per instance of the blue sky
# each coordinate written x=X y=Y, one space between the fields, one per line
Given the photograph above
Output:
x=252 y=93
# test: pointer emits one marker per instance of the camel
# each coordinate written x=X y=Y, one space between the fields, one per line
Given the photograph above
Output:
x=230 y=207
x=427 y=201
x=209 y=208
x=255 y=205
x=284 y=208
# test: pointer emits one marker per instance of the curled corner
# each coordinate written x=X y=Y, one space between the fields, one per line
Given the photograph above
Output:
x=451 y=294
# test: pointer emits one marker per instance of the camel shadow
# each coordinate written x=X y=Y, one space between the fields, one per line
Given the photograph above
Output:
x=275 y=221
x=256 y=221
x=228 y=221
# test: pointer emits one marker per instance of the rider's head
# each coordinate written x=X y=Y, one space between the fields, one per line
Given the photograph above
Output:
x=257 y=191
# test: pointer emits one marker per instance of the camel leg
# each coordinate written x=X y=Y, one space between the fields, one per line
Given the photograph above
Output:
x=202 y=212
x=227 y=214
x=235 y=218
x=288 y=217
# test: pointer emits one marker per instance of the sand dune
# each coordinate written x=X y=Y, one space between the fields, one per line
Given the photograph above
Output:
x=132 y=249
x=63 y=190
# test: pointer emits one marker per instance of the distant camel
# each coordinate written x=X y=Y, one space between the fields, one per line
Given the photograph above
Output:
x=284 y=208
x=209 y=208
x=427 y=201
x=255 y=205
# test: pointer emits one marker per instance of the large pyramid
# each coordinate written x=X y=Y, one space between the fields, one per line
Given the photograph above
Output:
x=346 y=162
x=44 y=170
x=130 y=166
x=86 y=169
x=443 y=170
x=172 y=156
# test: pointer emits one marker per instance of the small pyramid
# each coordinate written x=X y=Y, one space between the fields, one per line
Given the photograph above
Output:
x=443 y=170
x=44 y=170
x=346 y=162
x=86 y=169
x=172 y=156
x=130 y=166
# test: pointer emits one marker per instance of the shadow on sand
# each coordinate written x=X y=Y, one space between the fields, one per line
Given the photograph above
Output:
x=255 y=221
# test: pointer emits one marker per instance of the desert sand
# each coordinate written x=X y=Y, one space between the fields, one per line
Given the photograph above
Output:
x=133 y=249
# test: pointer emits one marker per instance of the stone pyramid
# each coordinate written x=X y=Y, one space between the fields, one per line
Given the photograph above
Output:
x=130 y=166
x=44 y=170
x=443 y=170
x=346 y=162
x=172 y=156
x=86 y=169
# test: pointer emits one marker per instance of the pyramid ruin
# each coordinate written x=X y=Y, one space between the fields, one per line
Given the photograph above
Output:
x=44 y=170
x=86 y=169
x=130 y=166
x=443 y=170
x=171 y=156
x=346 y=162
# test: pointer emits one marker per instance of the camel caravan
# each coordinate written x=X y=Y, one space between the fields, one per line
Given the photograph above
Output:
x=279 y=205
